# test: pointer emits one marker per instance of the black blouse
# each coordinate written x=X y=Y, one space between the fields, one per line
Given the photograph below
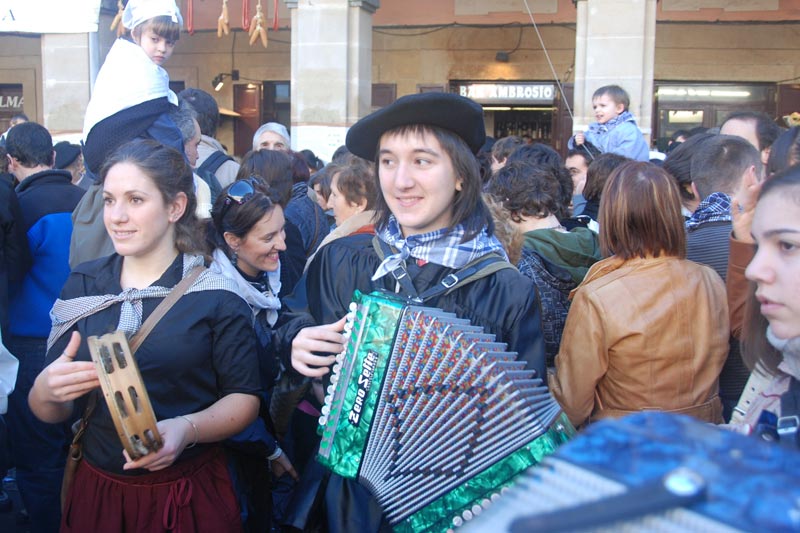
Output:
x=200 y=351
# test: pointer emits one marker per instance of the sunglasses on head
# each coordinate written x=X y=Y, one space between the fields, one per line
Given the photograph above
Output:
x=240 y=192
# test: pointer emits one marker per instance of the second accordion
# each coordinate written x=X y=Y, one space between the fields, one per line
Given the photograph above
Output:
x=431 y=414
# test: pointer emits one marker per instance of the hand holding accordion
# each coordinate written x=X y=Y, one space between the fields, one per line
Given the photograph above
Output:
x=431 y=414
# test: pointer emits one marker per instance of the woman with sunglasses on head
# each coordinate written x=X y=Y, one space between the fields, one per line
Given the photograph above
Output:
x=274 y=169
x=431 y=222
x=197 y=363
x=246 y=236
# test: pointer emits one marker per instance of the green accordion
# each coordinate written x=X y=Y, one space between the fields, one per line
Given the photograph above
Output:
x=431 y=414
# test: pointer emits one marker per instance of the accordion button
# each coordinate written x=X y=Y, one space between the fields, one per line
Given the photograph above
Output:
x=353 y=307
x=458 y=522
x=326 y=409
x=323 y=420
x=476 y=509
x=467 y=515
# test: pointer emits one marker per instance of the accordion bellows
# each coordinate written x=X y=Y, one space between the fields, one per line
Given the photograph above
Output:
x=431 y=414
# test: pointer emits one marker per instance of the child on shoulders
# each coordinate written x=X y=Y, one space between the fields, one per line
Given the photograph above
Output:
x=131 y=93
x=615 y=130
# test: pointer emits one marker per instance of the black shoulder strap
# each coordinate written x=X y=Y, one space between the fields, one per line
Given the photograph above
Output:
x=214 y=161
x=481 y=267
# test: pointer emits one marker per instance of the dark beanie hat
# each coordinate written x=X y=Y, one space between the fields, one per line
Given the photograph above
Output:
x=66 y=153
x=448 y=111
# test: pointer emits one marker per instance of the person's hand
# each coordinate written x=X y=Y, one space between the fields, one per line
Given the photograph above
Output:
x=282 y=465
x=314 y=340
x=66 y=379
x=578 y=183
x=579 y=139
x=743 y=206
x=176 y=433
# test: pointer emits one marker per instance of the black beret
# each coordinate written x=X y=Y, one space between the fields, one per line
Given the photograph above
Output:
x=449 y=111
x=66 y=153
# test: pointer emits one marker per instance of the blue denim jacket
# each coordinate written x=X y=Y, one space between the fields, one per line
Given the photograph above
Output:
x=619 y=135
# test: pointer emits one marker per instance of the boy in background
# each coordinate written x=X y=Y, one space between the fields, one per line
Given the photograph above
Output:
x=615 y=130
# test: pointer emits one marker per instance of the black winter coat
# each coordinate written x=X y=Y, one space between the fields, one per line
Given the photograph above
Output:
x=504 y=303
x=15 y=255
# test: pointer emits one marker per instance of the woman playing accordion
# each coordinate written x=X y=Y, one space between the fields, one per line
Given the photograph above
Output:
x=431 y=223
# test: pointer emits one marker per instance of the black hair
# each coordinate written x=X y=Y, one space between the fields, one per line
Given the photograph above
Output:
x=719 y=163
x=274 y=168
x=527 y=190
x=785 y=151
x=766 y=129
x=30 y=144
x=540 y=154
x=300 y=172
x=340 y=153
x=678 y=163
x=598 y=172
x=206 y=108
x=469 y=208
x=312 y=161
x=228 y=216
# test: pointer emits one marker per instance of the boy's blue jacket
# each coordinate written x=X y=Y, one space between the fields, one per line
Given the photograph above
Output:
x=619 y=135
x=46 y=200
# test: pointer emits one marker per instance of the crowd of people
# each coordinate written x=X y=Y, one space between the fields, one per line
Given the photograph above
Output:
x=625 y=284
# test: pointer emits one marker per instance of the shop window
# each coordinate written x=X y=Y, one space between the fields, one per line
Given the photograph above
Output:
x=11 y=103
x=431 y=88
x=683 y=106
x=383 y=94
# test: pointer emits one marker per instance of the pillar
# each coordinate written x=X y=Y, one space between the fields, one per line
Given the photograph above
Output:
x=66 y=78
x=615 y=45
x=331 y=70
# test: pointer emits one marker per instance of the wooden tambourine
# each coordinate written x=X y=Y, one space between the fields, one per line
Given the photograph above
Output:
x=125 y=394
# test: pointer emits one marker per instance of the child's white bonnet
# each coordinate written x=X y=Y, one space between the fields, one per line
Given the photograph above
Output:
x=138 y=11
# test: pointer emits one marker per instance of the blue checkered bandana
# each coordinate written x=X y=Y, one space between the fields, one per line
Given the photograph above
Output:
x=715 y=208
x=443 y=247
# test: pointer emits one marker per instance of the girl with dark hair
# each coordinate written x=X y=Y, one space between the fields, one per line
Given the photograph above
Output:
x=647 y=329
x=246 y=235
x=555 y=259
x=274 y=169
x=431 y=222
x=785 y=151
x=197 y=364
x=771 y=348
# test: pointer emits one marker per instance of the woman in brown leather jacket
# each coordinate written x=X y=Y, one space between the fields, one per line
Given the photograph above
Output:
x=647 y=329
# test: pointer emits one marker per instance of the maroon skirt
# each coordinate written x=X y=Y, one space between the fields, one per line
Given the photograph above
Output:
x=193 y=495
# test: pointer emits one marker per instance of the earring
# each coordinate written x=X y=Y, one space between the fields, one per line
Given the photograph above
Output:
x=235 y=258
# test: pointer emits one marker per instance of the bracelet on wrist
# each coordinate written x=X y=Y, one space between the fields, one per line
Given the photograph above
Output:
x=276 y=454
x=196 y=433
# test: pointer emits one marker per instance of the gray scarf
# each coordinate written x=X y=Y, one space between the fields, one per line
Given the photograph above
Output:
x=66 y=313
x=790 y=348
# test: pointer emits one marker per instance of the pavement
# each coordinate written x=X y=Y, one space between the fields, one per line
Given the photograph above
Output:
x=11 y=521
